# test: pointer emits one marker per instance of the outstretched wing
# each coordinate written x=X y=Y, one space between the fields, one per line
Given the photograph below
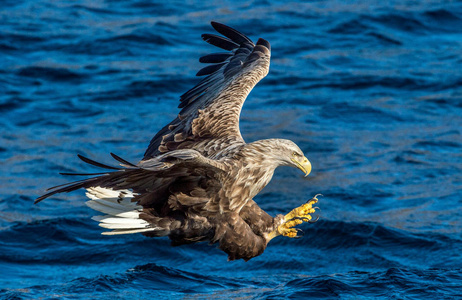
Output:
x=210 y=111
x=151 y=179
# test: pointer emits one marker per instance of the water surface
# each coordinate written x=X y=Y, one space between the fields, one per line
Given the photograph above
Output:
x=371 y=92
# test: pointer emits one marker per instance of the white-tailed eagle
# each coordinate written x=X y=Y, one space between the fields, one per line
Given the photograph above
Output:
x=198 y=177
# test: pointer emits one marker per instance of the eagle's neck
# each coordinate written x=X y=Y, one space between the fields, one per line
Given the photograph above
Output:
x=252 y=168
x=259 y=164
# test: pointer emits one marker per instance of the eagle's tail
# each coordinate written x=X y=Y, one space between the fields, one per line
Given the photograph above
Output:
x=122 y=214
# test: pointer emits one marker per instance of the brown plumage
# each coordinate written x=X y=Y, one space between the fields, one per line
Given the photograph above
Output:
x=198 y=177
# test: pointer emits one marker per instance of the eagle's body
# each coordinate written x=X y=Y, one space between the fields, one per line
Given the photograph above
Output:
x=198 y=177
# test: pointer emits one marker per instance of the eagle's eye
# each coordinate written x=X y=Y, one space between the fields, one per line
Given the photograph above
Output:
x=295 y=154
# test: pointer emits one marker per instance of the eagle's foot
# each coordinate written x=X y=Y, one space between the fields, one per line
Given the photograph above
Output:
x=303 y=212
x=296 y=217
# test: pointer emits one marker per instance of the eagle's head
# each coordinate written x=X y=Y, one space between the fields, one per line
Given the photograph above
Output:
x=289 y=154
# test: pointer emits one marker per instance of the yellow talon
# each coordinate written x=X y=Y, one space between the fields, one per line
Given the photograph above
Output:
x=302 y=211
x=290 y=233
x=296 y=217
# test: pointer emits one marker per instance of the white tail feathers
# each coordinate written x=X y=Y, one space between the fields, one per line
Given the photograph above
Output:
x=122 y=215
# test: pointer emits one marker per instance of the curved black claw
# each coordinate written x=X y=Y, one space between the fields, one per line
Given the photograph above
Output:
x=302 y=234
x=314 y=199
x=314 y=221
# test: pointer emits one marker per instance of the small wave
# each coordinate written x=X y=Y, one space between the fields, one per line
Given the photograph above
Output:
x=53 y=74
x=154 y=87
x=400 y=22
x=89 y=46
x=357 y=27
x=348 y=82
x=349 y=112
x=443 y=20
x=139 y=37
x=443 y=15
x=14 y=38
x=48 y=237
x=350 y=27
x=385 y=39
x=12 y=103
x=6 y=48
x=92 y=9
x=439 y=146
x=408 y=160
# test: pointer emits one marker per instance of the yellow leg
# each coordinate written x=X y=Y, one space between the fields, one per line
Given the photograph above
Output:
x=295 y=217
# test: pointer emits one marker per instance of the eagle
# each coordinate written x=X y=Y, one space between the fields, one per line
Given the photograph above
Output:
x=198 y=177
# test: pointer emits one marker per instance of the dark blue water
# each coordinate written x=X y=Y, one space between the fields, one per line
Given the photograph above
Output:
x=371 y=92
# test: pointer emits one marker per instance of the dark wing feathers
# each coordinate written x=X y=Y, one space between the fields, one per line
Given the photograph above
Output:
x=231 y=33
x=210 y=110
x=67 y=187
x=140 y=178
x=264 y=43
x=57 y=186
x=123 y=161
x=242 y=52
x=81 y=174
x=210 y=69
x=95 y=163
x=219 y=41
x=202 y=86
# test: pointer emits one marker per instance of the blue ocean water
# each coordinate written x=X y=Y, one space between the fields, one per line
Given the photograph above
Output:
x=371 y=91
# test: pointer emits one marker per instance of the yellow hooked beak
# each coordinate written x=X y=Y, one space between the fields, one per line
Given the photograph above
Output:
x=303 y=165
